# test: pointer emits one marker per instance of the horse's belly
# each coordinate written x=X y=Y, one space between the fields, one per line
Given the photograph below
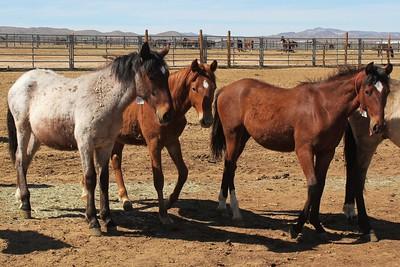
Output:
x=278 y=141
x=56 y=133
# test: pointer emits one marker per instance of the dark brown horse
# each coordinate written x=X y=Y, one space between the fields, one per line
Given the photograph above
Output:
x=309 y=119
x=193 y=86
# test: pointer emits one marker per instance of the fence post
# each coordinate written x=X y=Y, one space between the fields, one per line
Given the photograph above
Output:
x=33 y=51
x=71 y=51
x=346 y=44
x=359 y=58
x=205 y=46
x=146 y=35
x=388 y=49
x=314 y=51
x=261 y=63
x=228 y=45
x=6 y=40
x=201 y=46
x=323 y=55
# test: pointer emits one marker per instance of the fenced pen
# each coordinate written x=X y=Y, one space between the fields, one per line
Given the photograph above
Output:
x=22 y=51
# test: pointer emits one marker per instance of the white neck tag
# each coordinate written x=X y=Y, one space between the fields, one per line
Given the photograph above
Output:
x=205 y=84
x=363 y=113
x=139 y=100
x=379 y=86
x=163 y=70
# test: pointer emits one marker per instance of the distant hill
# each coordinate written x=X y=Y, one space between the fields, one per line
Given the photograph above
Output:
x=309 y=33
x=46 y=30
x=327 y=32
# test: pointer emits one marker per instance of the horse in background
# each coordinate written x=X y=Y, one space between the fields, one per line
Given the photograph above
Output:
x=309 y=119
x=359 y=148
x=288 y=45
x=192 y=86
x=83 y=114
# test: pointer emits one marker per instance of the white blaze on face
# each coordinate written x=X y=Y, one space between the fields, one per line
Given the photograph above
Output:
x=379 y=86
x=205 y=84
x=139 y=100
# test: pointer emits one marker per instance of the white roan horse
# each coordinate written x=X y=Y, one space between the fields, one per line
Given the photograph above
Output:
x=360 y=146
x=83 y=113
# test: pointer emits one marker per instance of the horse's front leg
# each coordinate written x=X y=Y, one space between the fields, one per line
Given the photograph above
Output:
x=158 y=179
x=174 y=150
x=305 y=156
x=116 y=162
x=102 y=160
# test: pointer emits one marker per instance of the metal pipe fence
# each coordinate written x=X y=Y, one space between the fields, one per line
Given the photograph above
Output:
x=19 y=51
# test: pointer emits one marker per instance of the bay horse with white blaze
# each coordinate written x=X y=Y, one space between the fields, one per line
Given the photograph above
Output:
x=193 y=86
x=360 y=147
x=309 y=119
x=83 y=113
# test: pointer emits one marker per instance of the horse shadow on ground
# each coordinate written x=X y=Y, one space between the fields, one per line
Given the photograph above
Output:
x=25 y=242
x=29 y=185
x=198 y=220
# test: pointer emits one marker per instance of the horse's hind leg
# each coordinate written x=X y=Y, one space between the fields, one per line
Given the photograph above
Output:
x=102 y=159
x=235 y=143
x=21 y=164
x=116 y=162
x=322 y=163
x=89 y=172
x=174 y=150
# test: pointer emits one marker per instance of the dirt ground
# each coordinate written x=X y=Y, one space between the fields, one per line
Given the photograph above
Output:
x=270 y=187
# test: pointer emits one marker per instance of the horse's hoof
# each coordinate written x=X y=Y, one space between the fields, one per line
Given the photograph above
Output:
x=127 y=205
x=372 y=236
x=293 y=233
x=111 y=229
x=26 y=214
x=95 y=231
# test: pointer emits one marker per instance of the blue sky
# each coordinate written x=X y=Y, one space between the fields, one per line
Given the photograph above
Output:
x=251 y=17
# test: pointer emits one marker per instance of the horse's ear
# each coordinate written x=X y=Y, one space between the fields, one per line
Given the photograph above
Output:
x=195 y=65
x=145 y=51
x=164 y=52
x=214 y=66
x=369 y=69
x=388 y=68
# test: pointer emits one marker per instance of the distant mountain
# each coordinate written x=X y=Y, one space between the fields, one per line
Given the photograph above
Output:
x=47 y=30
x=310 y=33
x=327 y=32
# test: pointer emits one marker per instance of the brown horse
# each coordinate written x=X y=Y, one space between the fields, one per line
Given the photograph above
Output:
x=193 y=86
x=309 y=119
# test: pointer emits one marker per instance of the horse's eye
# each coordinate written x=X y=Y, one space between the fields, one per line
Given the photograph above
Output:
x=368 y=92
x=153 y=93
x=194 y=89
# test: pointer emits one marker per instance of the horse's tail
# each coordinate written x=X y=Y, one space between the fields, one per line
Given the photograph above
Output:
x=12 y=135
x=218 y=143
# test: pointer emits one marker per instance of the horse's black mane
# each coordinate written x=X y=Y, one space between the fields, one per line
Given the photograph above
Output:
x=344 y=71
x=125 y=67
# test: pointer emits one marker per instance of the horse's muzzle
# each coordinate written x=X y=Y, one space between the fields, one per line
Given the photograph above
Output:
x=206 y=122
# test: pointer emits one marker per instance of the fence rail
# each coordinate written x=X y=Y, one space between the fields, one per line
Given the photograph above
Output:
x=86 y=52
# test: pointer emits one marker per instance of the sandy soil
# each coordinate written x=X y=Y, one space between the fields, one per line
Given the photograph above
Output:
x=270 y=187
